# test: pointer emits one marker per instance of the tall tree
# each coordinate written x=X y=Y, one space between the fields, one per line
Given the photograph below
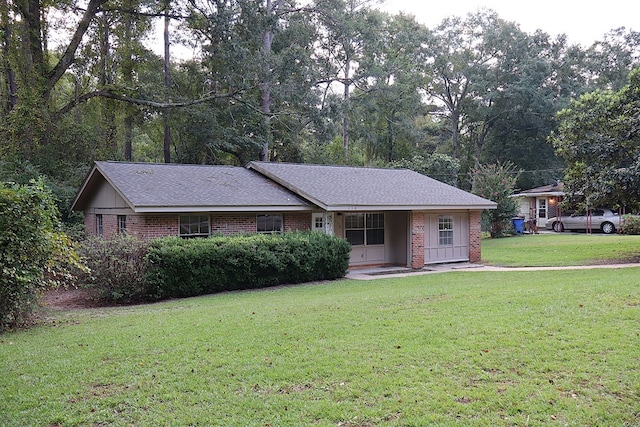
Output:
x=599 y=139
x=389 y=99
x=343 y=27
x=31 y=72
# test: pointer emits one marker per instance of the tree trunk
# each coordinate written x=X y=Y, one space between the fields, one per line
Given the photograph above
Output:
x=127 y=75
x=345 y=117
x=10 y=84
x=167 y=82
x=267 y=40
x=455 y=121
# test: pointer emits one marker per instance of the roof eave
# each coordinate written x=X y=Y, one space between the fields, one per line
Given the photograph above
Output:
x=367 y=208
x=542 y=194
x=222 y=209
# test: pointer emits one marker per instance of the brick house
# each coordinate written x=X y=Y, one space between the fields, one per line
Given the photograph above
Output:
x=390 y=216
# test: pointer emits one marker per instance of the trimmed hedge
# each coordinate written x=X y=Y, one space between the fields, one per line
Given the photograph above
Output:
x=189 y=267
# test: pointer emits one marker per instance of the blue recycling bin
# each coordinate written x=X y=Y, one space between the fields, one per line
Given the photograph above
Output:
x=518 y=225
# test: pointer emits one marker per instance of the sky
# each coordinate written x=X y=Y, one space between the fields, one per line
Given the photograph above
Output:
x=582 y=21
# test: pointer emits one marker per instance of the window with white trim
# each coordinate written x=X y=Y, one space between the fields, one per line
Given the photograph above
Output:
x=99 y=226
x=122 y=224
x=194 y=226
x=364 y=228
x=269 y=224
x=445 y=230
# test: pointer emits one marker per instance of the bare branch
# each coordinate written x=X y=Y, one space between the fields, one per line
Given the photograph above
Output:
x=69 y=54
x=105 y=93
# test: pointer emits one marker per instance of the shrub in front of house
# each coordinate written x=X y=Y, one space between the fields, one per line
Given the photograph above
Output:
x=117 y=268
x=189 y=267
x=630 y=224
x=34 y=254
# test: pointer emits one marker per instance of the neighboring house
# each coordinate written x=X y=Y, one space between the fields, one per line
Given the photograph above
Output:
x=541 y=203
x=390 y=216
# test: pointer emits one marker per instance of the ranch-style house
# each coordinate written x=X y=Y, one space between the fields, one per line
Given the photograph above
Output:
x=390 y=216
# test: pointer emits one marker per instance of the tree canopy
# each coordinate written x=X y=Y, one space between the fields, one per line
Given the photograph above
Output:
x=324 y=81
x=599 y=139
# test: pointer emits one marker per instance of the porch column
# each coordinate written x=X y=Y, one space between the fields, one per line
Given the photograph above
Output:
x=417 y=239
x=475 y=234
x=328 y=222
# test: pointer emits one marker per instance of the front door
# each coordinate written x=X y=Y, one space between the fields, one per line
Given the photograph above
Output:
x=542 y=214
x=318 y=222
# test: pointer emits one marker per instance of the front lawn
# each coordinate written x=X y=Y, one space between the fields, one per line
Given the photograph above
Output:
x=463 y=348
x=562 y=249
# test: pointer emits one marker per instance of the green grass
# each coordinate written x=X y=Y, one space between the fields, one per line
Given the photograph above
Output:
x=560 y=250
x=463 y=348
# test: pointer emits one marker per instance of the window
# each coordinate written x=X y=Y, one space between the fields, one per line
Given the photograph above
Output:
x=445 y=230
x=122 y=224
x=194 y=225
x=364 y=229
x=269 y=223
x=318 y=221
x=99 y=226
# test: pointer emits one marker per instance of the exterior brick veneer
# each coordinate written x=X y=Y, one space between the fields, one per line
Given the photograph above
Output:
x=152 y=226
x=143 y=226
x=299 y=221
x=157 y=225
x=475 y=234
x=417 y=239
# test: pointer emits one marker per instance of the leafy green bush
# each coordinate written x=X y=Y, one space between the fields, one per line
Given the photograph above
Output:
x=496 y=182
x=630 y=224
x=33 y=254
x=182 y=268
x=117 y=268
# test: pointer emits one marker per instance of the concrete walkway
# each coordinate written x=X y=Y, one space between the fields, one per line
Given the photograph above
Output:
x=390 y=272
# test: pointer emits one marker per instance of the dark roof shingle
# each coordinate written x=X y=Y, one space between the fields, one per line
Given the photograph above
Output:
x=359 y=188
x=148 y=186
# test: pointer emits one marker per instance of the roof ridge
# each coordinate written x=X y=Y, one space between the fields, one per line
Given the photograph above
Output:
x=329 y=165
x=124 y=162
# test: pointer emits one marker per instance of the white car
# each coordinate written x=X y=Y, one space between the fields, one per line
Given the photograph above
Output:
x=602 y=219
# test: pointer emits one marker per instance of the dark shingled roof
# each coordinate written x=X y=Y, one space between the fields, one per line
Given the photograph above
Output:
x=357 y=188
x=148 y=187
x=545 y=190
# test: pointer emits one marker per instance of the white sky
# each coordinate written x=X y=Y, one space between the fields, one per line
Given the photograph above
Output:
x=582 y=21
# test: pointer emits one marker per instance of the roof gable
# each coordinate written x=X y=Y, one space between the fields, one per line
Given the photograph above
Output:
x=148 y=187
x=359 y=188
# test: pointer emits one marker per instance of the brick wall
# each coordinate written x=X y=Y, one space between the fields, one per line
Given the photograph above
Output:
x=143 y=226
x=299 y=221
x=90 y=224
x=233 y=223
x=152 y=226
x=417 y=239
x=475 y=234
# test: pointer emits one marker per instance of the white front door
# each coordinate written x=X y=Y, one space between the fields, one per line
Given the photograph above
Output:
x=542 y=211
x=318 y=222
